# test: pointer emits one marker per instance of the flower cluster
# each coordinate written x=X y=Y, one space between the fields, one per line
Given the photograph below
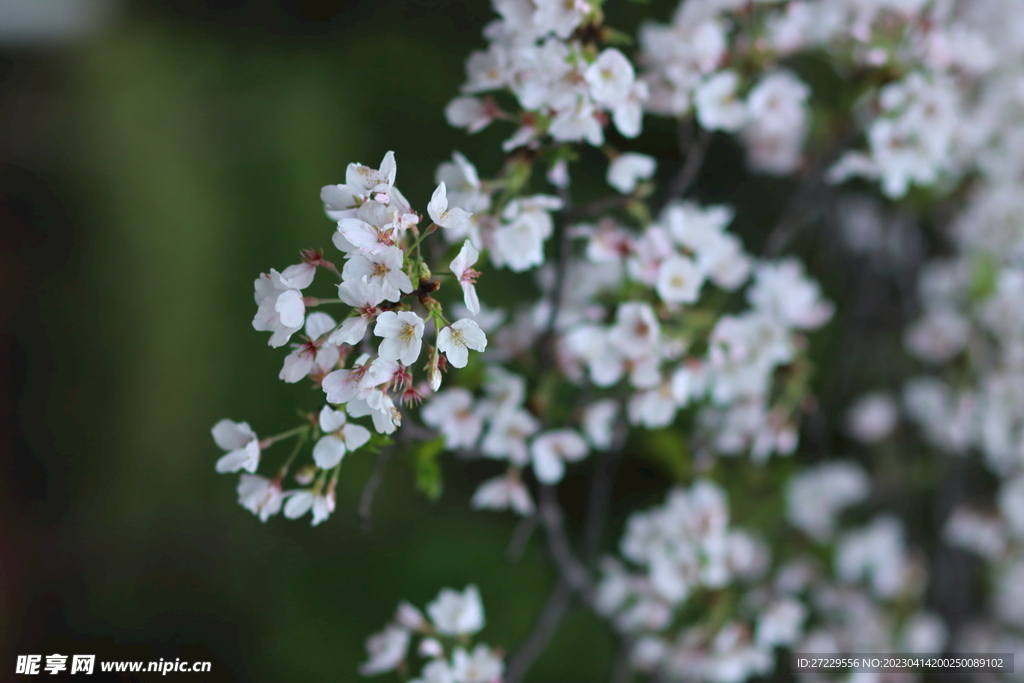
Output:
x=454 y=618
x=543 y=52
x=377 y=234
x=653 y=315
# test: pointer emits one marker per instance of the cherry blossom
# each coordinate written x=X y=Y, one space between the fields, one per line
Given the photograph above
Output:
x=403 y=336
x=454 y=218
x=455 y=341
x=382 y=269
x=551 y=450
x=241 y=443
x=339 y=437
x=462 y=269
x=456 y=614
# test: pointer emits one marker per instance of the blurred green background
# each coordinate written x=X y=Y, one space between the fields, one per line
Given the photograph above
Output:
x=151 y=170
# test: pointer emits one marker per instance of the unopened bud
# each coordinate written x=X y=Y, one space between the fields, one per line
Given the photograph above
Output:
x=411 y=618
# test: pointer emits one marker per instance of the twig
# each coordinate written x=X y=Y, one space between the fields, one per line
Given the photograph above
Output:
x=599 y=206
x=546 y=626
x=547 y=355
x=601 y=484
x=366 y=499
x=622 y=668
x=572 y=570
x=521 y=537
x=695 y=152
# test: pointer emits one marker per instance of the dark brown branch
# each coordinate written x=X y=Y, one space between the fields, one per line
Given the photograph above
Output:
x=545 y=628
x=694 y=152
x=372 y=484
x=569 y=566
x=521 y=537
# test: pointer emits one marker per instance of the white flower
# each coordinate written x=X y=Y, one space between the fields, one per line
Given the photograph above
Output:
x=628 y=114
x=316 y=354
x=520 y=242
x=626 y=170
x=279 y=298
x=937 y=336
x=260 y=496
x=365 y=180
x=781 y=624
x=610 y=77
x=872 y=417
x=338 y=438
x=462 y=269
x=559 y=16
x=241 y=443
x=463 y=184
x=363 y=297
x=300 y=501
x=361 y=182
x=457 y=614
x=718 y=104
x=781 y=289
x=455 y=340
x=454 y=218
x=469 y=113
x=411 y=618
x=387 y=650
x=504 y=493
x=977 y=532
x=874 y=553
x=403 y=336
x=599 y=422
x=816 y=496
x=436 y=671
x=679 y=280
x=551 y=450
x=483 y=666
x=450 y=412
x=383 y=269
x=506 y=437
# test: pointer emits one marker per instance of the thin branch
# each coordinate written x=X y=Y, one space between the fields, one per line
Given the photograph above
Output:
x=599 y=206
x=545 y=628
x=547 y=355
x=695 y=152
x=366 y=499
x=622 y=667
x=601 y=484
x=572 y=570
x=521 y=537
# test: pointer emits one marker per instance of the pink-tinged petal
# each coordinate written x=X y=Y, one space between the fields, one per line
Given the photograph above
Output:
x=290 y=308
x=548 y=467
x=299 y=503
x=351 y=332
x=296 y=366
x=298 y=276
x=318 y=324
x=338 y=387
x=331 y=420
x=230 y=435
x=355 y=436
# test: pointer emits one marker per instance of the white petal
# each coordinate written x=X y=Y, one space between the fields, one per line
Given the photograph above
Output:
x=328 y=452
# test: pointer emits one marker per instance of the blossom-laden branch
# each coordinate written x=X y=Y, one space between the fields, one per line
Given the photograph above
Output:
x=659 y=323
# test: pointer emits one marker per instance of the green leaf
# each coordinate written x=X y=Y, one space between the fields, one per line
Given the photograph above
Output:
x=668 y=448
x=428 y=469
x=377 y=442
x=983 y=277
